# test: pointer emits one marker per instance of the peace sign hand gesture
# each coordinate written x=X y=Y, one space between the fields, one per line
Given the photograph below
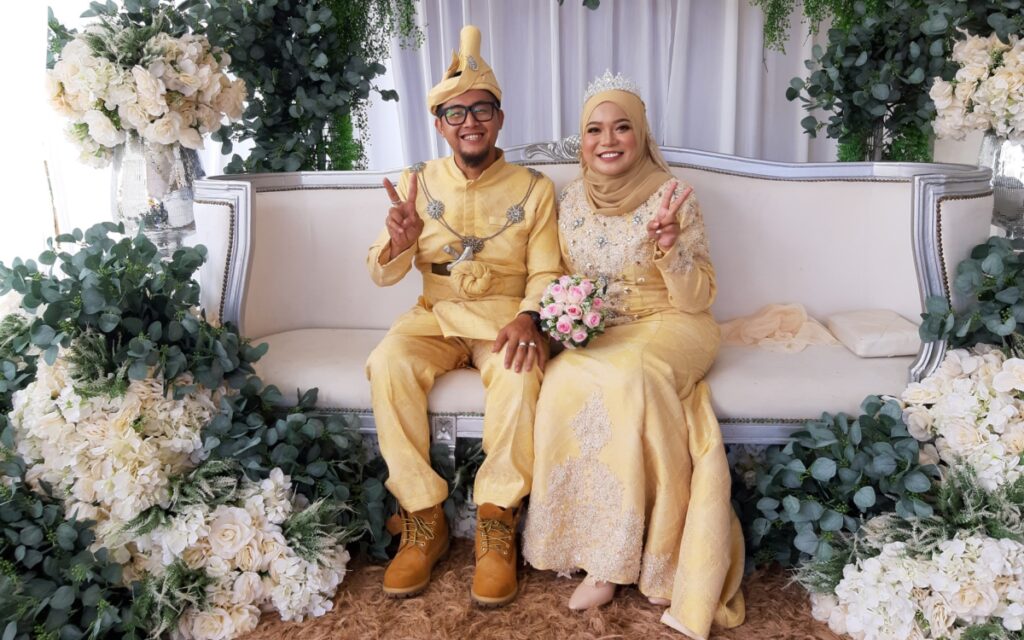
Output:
x=664 y=227
x=403 y=223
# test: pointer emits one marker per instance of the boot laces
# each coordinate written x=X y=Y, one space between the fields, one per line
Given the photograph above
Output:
x=415 y=530
x=495 y=534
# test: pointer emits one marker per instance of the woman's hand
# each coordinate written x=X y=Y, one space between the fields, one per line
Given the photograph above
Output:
x=664 y=227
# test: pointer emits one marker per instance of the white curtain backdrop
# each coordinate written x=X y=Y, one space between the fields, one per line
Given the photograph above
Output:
x=706 y=80
x=707 y=83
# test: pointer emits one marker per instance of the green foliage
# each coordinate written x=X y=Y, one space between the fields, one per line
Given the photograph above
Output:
x=993 y=279
x=142 y=306
x=51 y=585
x=310 y=65
x=976 y=17
x=160 y=601
x=962 y=507
x=833 y=473
x=777 y=17
x=314 y=531
x=873 y=78
x=460 y=473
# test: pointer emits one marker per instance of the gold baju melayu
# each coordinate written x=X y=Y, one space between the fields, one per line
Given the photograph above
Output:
x=631 y=482
x=499 y=232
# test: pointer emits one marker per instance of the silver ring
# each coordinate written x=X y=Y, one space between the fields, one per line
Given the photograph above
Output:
x=396 y=202
x=532 y=344
x=522 y=344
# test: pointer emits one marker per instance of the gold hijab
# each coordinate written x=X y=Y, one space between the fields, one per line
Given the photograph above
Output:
x=615 y=195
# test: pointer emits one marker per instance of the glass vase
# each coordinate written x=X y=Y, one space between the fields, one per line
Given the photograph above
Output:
x=1006 y=160
x=152 y=191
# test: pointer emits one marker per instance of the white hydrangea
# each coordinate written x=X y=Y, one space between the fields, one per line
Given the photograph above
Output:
x=183 y=94
x=966 y=581
x=971 y=407
x=987 y=93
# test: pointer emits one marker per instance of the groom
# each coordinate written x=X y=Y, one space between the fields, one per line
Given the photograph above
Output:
x=482 y=234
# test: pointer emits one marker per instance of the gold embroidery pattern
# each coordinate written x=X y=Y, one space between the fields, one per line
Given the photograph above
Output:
x=657 y=575
x=580 y=523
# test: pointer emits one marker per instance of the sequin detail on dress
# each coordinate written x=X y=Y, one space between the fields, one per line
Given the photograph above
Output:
x=583 y=505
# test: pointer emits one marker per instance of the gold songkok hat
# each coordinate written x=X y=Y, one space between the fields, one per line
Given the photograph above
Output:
x=467 y=71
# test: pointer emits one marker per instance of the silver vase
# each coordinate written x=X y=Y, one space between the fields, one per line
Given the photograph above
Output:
x=1006 y=160
x=152 y=191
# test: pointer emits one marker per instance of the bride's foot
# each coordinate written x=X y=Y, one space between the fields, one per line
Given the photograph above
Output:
x=659 y=602
x=590 y=595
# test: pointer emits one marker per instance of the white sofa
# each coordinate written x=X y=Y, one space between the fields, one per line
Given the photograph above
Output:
x=287 y=265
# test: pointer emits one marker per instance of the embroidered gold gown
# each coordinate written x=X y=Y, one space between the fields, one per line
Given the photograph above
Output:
x=631 y=482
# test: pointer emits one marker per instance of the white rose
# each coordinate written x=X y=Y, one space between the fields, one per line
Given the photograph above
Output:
x=231 y=99
x=213 y=624
x=166 y=130
x=919 y=422
x=974 y=602
x=928 y=454
x=250 y=557
x=921 y=393
x=938 y=614
x=244 y=618
x=190 y=138
x=230 y=530
x=248 y=588
x=150 y=91
x=1013 y=439
x=102 y=130
x=941 y=94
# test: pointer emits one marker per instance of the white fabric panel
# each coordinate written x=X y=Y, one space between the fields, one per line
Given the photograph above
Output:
x=745 y=381
x=707 y=82
x=213 y=230
x=875 y=333
x=309 y=263
x=963 y=224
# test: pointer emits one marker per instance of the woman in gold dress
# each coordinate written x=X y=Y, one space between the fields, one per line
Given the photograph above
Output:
x=631 y=483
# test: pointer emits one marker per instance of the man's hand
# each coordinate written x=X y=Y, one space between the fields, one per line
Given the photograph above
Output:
x=526 y=346
x=403 y=223
x=664 y=227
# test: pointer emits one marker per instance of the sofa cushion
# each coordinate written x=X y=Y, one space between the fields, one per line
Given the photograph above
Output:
x=875 y=333
x=747 y=383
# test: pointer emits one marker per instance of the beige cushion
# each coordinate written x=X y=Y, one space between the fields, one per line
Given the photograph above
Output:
x=746 y=382
x=875 y=333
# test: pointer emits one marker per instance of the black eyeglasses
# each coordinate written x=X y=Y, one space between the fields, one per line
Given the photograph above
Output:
x=456 y=114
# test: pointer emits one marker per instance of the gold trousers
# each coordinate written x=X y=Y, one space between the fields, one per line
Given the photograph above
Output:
x=402 y=370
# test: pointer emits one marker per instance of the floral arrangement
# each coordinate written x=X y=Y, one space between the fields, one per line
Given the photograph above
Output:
x=572 y=311
x=986 y=92
x=115 y=80
x=971 y=407
x=958 y=573
x=901 y=593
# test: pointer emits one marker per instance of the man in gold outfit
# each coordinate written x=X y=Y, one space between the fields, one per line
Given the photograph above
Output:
x=482 y=233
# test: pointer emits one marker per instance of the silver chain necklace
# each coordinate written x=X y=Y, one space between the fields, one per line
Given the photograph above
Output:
x=472 y=245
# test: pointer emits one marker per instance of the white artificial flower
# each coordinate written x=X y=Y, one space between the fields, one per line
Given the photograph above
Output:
x=165 y=130
x=214 y=623
x=247 y=588
x=231 y=99
x=150 y=91
x=919 y=422
x=231 y=529
x=102 y=129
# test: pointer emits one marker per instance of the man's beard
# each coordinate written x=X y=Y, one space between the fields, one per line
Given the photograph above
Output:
x=476 y=159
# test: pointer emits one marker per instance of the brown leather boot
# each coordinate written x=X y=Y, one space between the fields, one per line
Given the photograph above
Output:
x=424 y=541
x=494 y=582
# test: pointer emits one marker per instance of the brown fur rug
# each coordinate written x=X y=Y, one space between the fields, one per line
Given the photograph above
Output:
x=775 y=610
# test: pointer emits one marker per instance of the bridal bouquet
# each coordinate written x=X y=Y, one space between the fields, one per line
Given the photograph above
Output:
x=987 y=91
x=113 y=80
x=572 y=311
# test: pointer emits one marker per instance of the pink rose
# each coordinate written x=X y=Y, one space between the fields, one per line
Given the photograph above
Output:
x=587 y=286
x=552 y=310
x=565 y=281
x=557 y=292
x=564 y=324
x=575 y=294
x=579 y=336
x=574 y=311
x=592 y=319
x=597 y=303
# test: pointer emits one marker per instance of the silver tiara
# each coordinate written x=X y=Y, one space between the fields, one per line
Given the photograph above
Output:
x=607 y=82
